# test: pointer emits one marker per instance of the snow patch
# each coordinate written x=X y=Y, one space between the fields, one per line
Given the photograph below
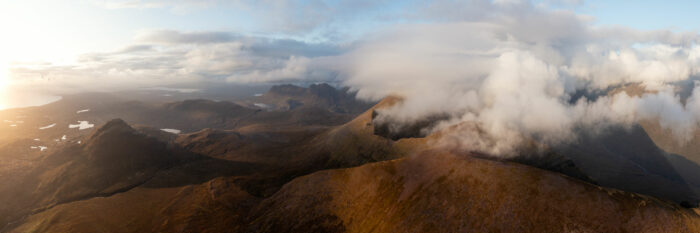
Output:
x=81 y=125
x=172 y=131
x=41 y=148
x=48 y=126
x=82 y=111
x=261 y=105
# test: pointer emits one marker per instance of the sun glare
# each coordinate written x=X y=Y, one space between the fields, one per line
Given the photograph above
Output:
x=4 y=80
x=4 y=74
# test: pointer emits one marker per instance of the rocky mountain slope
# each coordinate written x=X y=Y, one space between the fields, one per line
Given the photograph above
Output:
x=296 y=175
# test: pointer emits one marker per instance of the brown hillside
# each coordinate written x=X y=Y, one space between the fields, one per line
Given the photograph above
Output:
x=442 y=192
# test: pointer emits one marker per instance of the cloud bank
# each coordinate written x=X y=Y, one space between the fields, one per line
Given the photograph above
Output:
x=508 y=74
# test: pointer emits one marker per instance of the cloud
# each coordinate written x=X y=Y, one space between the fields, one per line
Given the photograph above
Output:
x=125 y=4
x=162 y=57
x=287 y=17
x=175 y=37
x=177 y=6
x=506 y=74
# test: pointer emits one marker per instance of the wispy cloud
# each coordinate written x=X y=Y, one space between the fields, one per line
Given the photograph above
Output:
x=175 y=37
x=161 y=57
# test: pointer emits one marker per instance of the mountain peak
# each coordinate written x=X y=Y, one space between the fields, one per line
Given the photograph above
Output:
x=114 y=125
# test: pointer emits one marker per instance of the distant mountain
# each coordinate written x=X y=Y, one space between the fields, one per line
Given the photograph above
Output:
x=288 y=97
x=628 y=159
x=665 y=139
x=642 y=158
x=319 y=104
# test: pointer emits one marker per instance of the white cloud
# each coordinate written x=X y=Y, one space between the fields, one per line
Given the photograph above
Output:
x=511 y=70
x=170 y=57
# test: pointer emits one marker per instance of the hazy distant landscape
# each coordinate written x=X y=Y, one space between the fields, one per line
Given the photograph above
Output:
x=349 y=116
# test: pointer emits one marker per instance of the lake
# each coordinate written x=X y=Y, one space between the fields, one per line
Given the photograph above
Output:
x=17 y=99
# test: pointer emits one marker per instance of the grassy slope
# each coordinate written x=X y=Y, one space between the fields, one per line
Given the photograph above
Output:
x=441 y=192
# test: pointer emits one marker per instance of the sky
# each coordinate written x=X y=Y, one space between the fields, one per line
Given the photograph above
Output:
x=508 y=67
x=645 y=14
x=59 y=31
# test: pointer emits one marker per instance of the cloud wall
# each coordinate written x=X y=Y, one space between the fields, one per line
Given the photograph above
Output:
x=508 y=75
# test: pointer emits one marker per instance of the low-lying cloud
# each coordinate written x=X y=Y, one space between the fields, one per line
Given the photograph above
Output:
x=508 y=75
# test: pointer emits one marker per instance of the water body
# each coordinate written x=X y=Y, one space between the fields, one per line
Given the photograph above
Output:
x=17 y=99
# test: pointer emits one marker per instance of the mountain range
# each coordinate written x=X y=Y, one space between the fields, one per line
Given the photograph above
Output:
x=315 y=159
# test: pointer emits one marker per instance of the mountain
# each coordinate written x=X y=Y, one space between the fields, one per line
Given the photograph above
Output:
x=319 y=104
x=642 y=158
x=115 y=158
x=443 y=192
x=296 y=150
x=269 y=172
x=289 y=97
x=214 y=206
x=628 y=159
x=423 y=190
x=665 y=139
